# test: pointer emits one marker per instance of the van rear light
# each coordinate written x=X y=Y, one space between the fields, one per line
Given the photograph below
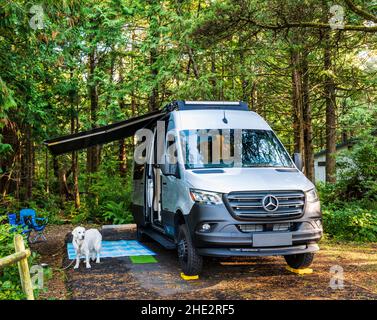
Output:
x=251 y=227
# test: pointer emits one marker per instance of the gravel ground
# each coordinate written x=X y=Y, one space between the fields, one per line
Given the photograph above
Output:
x=252 y=278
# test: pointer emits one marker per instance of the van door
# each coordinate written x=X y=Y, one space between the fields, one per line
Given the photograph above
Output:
x=169 y=184
x=138 y=195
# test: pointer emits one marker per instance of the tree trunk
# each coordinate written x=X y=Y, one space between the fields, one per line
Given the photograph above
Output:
x=330 y=98
x=75 y=176
x=307 y=118
x=153 y=98
x=47 y=173
x=122 y=158
x=154 y=35
x=297 y=99
x=93 y=153
x=254 y=97
x=29 y=164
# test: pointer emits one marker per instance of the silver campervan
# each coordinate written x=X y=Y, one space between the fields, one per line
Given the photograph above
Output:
x=212 y=179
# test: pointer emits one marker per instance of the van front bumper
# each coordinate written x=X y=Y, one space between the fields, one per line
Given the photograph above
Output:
x=257 y=252
x=225 y=237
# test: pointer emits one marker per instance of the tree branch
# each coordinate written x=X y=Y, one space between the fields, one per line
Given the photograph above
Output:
x=362 y=13
x=317 y=25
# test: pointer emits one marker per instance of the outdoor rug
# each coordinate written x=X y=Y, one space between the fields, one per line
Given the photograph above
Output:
x=113 y=249
x=143 y=259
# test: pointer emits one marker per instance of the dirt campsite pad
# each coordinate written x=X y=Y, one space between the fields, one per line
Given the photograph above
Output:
x=252 y=278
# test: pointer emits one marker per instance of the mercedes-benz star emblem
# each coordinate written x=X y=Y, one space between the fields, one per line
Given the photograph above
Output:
x=270 y=203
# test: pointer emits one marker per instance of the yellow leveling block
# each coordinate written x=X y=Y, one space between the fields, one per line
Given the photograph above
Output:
x=300 y=271
x=185 y=277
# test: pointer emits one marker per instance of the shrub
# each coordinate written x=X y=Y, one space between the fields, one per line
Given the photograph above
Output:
x=10 y=283
x=108 y=199
x=357 y=170
x=350 y=222
x=10 y=286
x=117 y=212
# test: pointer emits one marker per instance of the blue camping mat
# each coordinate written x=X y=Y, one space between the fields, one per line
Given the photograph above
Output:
x=120 y=248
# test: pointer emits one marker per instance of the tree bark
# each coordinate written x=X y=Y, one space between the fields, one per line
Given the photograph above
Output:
x=297 y=107
x=153 y=53
x=47 y=173
x=307 y=118
x=29 y=163
x=330 y=98
x=93 y=153
x=75 y=170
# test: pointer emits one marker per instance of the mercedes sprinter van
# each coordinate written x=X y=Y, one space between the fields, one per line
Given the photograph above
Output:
x=212 y=179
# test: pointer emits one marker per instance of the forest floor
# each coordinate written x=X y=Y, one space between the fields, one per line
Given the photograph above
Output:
x=252 y=278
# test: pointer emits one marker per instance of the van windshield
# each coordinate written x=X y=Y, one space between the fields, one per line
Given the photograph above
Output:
x=231 y=148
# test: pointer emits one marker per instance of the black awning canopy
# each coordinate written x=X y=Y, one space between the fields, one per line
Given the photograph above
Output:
x=101 y=135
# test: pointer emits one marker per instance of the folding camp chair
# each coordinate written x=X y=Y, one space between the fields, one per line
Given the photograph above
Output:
x=12 y=219
x=28 y=217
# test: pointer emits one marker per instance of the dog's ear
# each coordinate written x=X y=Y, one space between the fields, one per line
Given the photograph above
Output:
x=74 y=232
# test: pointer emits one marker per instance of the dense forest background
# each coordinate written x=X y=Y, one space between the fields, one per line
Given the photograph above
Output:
x=308 y=67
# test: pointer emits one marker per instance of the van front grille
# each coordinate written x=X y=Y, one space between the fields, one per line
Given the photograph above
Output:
x=249 y=204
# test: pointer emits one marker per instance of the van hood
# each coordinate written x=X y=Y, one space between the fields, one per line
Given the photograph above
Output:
x=247 y=179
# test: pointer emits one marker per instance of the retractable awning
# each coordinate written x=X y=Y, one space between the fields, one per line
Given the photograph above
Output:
x=101 y=135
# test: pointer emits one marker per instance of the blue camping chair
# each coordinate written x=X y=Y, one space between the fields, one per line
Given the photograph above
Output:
x=12 y=219
x=28 y=217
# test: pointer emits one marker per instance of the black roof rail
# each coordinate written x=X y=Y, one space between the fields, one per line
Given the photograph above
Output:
x=206 y=105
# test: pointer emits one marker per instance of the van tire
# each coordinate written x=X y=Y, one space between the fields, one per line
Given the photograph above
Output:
x=191 y=263
x=300 y=261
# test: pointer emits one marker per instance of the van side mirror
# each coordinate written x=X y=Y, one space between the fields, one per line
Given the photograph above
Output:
x=297 y=159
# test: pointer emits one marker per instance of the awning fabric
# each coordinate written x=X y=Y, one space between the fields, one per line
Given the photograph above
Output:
x=101 y=135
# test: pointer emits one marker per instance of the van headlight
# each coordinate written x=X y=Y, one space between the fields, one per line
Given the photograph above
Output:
x=205 y=197
x=311 y=196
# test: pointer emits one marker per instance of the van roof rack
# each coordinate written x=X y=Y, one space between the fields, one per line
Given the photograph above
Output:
x=206 y=105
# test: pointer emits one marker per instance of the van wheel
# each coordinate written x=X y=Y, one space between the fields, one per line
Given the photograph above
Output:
x=140 y=236
x=300 y=261
x=191 y=262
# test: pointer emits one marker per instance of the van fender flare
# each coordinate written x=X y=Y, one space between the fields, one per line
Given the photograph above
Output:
x=180 y=218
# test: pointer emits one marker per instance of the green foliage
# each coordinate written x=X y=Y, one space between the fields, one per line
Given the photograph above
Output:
x=358 y=169
x=350 y=205
x=10 y=285
x=117 y=212
x=350 y=222
x=110 y=198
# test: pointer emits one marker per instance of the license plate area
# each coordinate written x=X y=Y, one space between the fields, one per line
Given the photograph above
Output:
x=272 y=239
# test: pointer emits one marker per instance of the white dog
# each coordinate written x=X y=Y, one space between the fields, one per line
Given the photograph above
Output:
x=88 y=243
